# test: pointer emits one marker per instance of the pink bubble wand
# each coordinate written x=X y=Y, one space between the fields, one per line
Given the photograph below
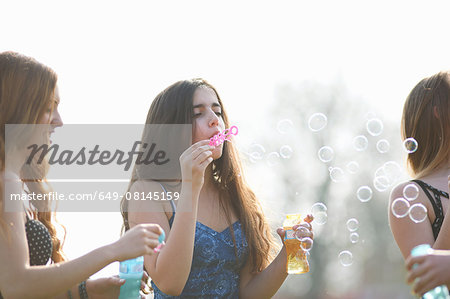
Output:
x=223 y=136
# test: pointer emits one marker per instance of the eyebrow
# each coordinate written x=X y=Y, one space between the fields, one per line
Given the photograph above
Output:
x=203 y=105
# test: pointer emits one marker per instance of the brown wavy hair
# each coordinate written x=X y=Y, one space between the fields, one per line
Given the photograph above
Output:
x=426 y=119
x=27 y=89
x=174 y=106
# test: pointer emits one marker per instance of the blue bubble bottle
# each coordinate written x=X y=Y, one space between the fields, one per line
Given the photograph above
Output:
x=440 y=292
x=132 y=271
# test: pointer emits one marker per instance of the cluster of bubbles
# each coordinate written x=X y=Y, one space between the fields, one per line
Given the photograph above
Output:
x=386 y=175
x=384 y=178
x=374 y=127
x=352 y=226
x=257 y=152
x=319 y=212
x=306 y=243
x=402 y=207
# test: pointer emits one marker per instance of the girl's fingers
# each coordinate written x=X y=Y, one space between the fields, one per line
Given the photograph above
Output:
x=281 y=232
x=416 y=273
x=155 y=228
x=424 y=284
x=201 y=151
x=204 y=144
x=203 y=156
x=411 y=260
x=206 y=162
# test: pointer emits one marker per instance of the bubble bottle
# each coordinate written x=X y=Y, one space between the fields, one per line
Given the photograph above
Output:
x=297 y=262
x=439 y=292
x=132 y=271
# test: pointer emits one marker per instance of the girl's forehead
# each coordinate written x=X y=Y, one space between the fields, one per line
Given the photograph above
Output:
x=204 y=94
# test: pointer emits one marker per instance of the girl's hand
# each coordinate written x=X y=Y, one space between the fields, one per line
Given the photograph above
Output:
x=105 y=288
x=140 y=240
x=302 y=230
x=194 y=161
x=431 y=270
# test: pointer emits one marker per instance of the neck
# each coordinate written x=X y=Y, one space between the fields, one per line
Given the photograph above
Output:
x=208 y=183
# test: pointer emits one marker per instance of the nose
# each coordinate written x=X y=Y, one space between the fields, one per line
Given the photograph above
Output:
x=214 y=120
x=56 y=119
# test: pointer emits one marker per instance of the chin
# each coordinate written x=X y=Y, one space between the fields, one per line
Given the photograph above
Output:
x=217 y=153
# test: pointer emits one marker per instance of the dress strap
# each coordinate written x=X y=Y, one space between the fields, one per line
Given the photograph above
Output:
x=436 y=203
x=171 y=201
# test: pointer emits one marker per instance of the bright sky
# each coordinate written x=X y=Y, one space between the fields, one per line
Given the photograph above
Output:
x=113 y=57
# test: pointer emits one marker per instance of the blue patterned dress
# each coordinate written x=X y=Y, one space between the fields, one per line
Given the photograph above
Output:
x=215 y=269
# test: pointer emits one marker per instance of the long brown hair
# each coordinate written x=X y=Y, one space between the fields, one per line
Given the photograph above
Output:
x=426 y=119
x=174 y=106
x=27 y=89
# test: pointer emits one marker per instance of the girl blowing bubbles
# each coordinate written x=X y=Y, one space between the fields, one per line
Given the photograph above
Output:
x=222 y=247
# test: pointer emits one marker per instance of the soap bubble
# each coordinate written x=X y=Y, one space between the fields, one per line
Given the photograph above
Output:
x=392 y=171
x=306 y=244
x=317 y=122
x=364 y=193
x=381 y=183
x=360 y=143
x=286 y=152
x=354 y=237
x=410 y=145
x=352 y=167
x=256 y=151
x=321 y=218
x=352 y=224
x=346 y=258
x=285 y=126
x=336 y=174
x=273 y=159
x=325 y=154
x=301 y=232
x=383 y=146
x=418 y=213
x=400 y=207
x=411 y=192
x=374 y=126
x=318 y=207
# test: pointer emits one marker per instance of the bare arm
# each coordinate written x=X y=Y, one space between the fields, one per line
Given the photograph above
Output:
x=406 y=233
x=266 y=283
x=25 y=281
x=170 y=268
